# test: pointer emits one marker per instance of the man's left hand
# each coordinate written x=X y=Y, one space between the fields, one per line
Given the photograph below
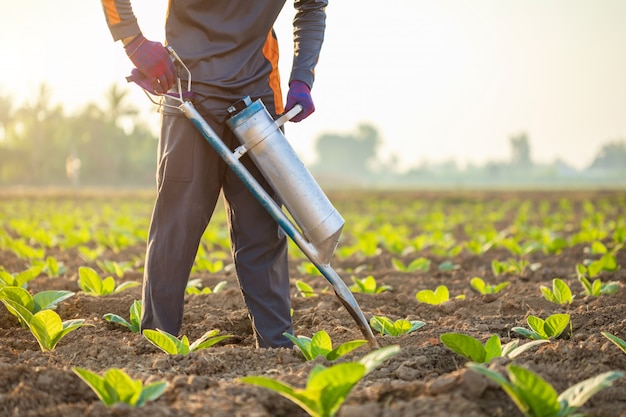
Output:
x=299 y=93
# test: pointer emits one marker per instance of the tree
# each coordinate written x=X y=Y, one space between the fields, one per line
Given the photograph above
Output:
x=350 y=156
x=520 y=151
x=612 y=157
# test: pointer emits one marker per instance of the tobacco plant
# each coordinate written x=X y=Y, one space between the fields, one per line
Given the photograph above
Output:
x=43 y=300
x=45 y=325
x=597 y=287
x=170 y=344
x=19 y=279
x=321 y=345
x=368 y=285
x=484 y=288
x=134 y=325
x=116 y=386
x=418 y=264
x=559 y=294
x=472 y=349
x=326 y=388
x=439 y=296
x=90 y=282
x=386 y=326
x=535 y=397
x=552 y=327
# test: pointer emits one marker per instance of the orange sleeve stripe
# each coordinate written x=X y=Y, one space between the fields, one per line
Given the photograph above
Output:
x=111 y=12
x=270 y=51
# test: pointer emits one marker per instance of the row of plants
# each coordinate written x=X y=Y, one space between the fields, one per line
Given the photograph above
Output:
x=327 y=387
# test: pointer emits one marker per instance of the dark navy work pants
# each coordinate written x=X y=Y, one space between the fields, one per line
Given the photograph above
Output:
x=190 y=176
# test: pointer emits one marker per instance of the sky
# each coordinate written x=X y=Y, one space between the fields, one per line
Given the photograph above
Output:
x=439 y=80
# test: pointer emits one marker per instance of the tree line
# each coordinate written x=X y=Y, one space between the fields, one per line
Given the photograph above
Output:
x=40 y=145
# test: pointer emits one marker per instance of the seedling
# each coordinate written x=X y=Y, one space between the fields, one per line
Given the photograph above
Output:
x=169 y=343
x=552 y=327
x=385 y=326
x=116 y=268
x=50 y=266
x=321 y=345
x=439 y=296
x=559 y=294
x=368 y=285
x=510 y=266
x=483 y=288
x=45 y=325
x=194 y=286
x=116 y=386
x=33 y=303
x=90 y=282
x=308 y=268
x=419 y=264
x=135 y=318
x=620 y=343
x=472 y=349
x=306 y=291
x=535 y=397
x=597 y=287
x=19 y=279
x=326 y=388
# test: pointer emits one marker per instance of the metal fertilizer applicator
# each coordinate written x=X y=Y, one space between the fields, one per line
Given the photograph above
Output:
x=261 y=137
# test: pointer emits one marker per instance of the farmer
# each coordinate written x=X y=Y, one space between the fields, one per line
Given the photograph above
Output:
x=232 y=52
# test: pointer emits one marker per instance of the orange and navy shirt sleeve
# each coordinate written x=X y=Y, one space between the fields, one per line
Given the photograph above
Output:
x=120 y=18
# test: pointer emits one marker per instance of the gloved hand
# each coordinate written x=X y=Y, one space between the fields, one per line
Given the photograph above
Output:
x=153 y=61
x=299 y=93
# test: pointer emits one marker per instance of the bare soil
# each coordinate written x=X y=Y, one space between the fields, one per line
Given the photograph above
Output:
x=425 y=378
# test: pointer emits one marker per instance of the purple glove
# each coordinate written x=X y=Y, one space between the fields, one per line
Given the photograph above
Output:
x=153 y=61
x=300 y=93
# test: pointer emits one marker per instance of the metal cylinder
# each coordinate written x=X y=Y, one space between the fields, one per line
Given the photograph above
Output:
x=262 y=138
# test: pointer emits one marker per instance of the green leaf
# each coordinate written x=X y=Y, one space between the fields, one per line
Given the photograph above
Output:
x=620 y=343
x=344 y=348
x=89 y=281
x=124 y=286
x=151 y=392
x=479 y=285
x=49 y=299
x=556 y=324
x=514 y=351
x=305 y=289
x=208 y=339
x=307 y=402
x=537 y=394
x=321 y=344
x=97 y=385
x=526 y=333
x=303 y=343
x=378 y=356
x=126 y=389
x=504 y=384
x=45 y=326
x=562 y=291
x=576 y=395
x=108 y=286
x=383 y=325
x=19 y=296
x=166 y=342
x=465 y=345
x=493 y=348
x=537 y=325
x=440 y=295
x=114 y=318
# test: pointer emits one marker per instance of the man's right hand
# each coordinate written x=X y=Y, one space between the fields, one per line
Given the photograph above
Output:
x=153 y=61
